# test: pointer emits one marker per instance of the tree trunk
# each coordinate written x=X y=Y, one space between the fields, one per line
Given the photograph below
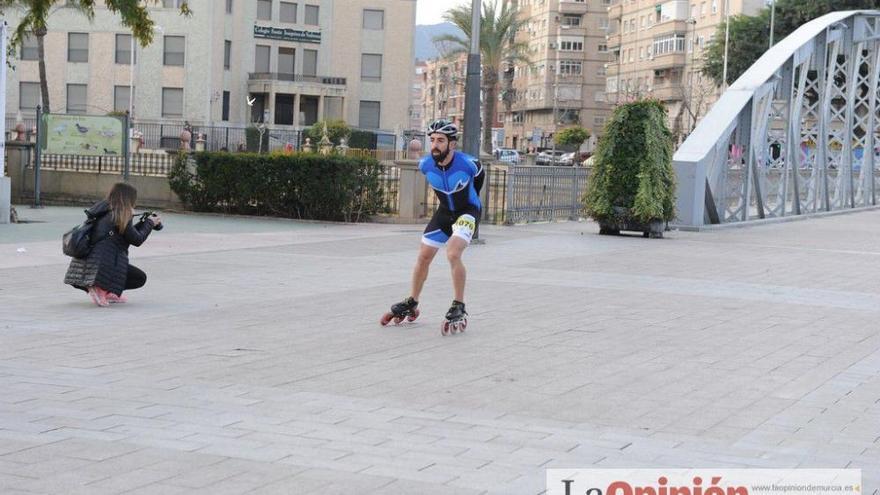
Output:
x=40 y=33
x=489 y=104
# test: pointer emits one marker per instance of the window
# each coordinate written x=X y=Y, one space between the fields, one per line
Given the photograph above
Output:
x=286 y=60
x=123 y=49
x=311 y=15
x=225 y=110
x=570 y=67
x=288 y=12
x=603 y=48
x=76 y=98
x=702 y=9
x=310 y=62
x=369 y=115
x=371 y=67
x=29 y=49
x=264 y=10
x=262 y=59
x=374 y=19
x=77 y=47
x=569 y=20
x=28 y=96
x=228 y=6
x=174 y=50
x=603 y=23
x=172 y=102
x=121 y=98
x=227 y=54
x=171 y=4
x=571 y=46
x=668 y=44
x=714 y=6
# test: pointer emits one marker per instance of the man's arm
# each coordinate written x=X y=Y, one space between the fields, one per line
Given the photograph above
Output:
x=479 y=176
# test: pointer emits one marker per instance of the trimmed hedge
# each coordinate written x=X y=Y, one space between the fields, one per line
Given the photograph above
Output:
x=633 y=178
x=298 y=185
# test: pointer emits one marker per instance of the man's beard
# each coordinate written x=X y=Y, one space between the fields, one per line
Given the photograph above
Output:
x=438 y=156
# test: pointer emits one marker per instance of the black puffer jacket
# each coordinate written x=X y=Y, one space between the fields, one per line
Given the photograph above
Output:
x=107 y=264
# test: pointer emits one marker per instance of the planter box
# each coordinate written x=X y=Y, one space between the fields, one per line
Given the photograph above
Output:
x=653 y=229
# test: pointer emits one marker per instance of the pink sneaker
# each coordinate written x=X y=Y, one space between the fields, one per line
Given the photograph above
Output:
x=99 y=296
x=113 y=298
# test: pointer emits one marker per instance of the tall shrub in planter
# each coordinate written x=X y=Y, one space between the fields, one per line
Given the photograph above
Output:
x=632 y=186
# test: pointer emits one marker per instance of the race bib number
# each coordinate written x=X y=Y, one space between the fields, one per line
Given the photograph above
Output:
x=464 y=227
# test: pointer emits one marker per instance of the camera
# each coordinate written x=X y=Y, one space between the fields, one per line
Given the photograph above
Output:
x=147 y=214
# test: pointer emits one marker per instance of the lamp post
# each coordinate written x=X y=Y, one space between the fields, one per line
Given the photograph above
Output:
x=131 y=63
x=726 y=42
x=691 y=116
x=472 y=89
x=772 y=19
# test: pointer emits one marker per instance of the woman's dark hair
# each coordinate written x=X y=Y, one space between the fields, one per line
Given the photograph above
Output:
x=122 y=198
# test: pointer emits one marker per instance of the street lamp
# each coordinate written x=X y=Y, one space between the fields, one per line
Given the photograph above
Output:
x=772 y=19
x=693 y=22
x=131 y=63
x=726 y=42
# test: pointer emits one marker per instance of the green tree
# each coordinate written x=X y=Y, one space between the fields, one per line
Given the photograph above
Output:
x=572 y=136
x=336 y=129
x=35 y=18
x=749 y=35
x=498 y=49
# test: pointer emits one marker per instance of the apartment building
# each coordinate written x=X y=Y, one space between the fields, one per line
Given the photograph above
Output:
x=444 y=88
x=565 y=83
x=283 y=62
x=657 y=51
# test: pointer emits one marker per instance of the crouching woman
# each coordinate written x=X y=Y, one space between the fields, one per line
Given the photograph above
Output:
x=105 y=273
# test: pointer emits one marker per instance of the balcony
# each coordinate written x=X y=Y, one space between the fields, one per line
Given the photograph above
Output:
x=668 y=92
x=667 y=61
x=279 y=82
x=671 y=26
x=615 y=11
x=296 y=78
x=572 y=7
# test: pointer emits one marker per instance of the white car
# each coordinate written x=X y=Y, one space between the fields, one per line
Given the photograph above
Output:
x=548 y=157
x=508 y=155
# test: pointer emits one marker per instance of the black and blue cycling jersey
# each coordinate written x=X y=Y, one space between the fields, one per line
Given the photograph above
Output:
x=456 y=185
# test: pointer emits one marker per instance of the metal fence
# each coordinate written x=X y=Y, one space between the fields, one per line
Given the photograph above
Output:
x=522 y=194
x=149 y=164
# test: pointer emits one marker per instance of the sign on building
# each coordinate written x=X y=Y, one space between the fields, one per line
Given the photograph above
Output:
x=286 y=34
x=81 y=135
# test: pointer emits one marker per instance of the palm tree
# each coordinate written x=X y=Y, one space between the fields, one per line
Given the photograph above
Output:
x=498 y=49
x=36 y=17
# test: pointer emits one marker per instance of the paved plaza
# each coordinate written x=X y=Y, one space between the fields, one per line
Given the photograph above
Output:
x=253 y=362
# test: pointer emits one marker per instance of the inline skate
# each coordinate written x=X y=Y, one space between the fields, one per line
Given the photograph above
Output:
x=408 y=310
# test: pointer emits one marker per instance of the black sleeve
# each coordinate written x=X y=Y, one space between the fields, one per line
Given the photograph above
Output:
x=479 y=177
x=136 y=234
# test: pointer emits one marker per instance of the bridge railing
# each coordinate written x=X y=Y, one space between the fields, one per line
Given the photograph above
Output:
x=797 y=133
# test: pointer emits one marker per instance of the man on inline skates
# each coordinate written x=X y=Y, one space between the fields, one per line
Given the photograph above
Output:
x=456 y=179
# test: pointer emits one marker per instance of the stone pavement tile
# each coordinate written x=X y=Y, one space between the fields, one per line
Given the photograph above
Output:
x=405 y=487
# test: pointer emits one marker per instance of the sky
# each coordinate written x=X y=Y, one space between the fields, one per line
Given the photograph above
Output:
x=431 y=11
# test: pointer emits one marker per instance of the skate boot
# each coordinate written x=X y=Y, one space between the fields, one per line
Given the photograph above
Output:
x=408 y=310
x=456 y=319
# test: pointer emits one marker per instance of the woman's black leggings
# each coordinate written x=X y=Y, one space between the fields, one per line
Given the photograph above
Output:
x=135 y=278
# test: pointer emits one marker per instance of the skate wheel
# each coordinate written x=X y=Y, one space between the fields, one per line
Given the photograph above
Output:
x=462 y=326
x=413 y=316
x=386 y=319
x=397 y=320
x=444 y=328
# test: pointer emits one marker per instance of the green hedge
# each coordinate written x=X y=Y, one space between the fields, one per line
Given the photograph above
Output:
x=299 y=185
x=632 y=176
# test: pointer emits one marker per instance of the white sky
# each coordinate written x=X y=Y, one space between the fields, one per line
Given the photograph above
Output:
x=431 y=11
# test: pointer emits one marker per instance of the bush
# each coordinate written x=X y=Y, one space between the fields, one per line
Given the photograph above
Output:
x=252 y=136
x=632 y=176
x=299 y=185
x=336 y=129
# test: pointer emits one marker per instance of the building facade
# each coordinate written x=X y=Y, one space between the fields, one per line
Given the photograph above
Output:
x=565 y=83
x=444 y=89
x=657 y=50
x=283 y=62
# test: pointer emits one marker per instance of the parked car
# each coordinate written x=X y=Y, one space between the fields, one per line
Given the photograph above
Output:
x=508 y=155
x=549 y=157
x=567 y=159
